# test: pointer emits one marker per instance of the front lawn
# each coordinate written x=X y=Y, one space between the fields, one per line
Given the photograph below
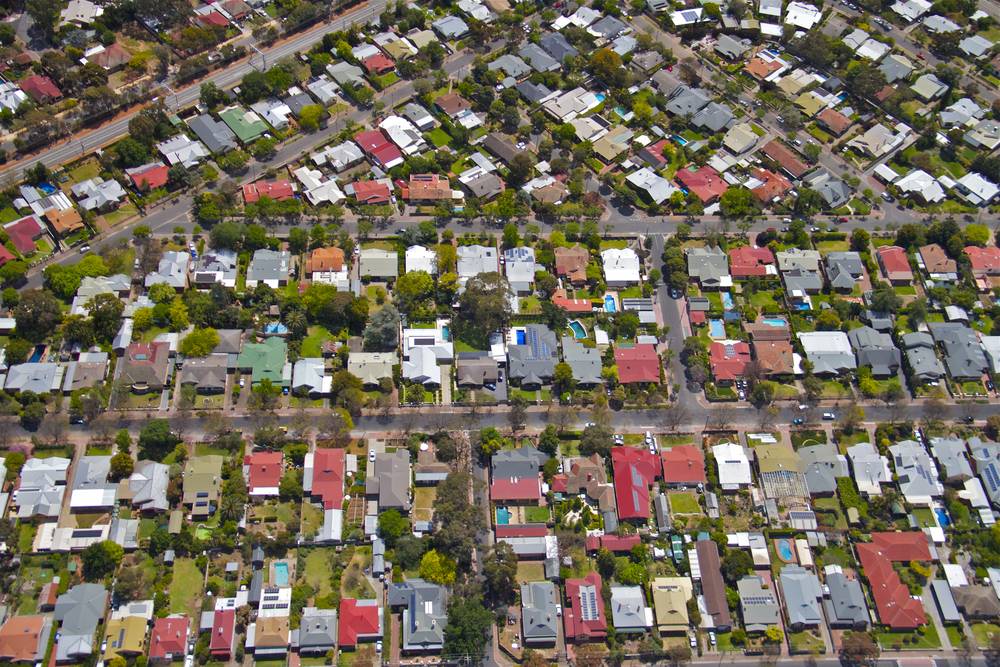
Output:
x=684 y=503
x=530 y=571
x=536 y=514
x=833 y=246
x=927 y=641
x=861 y=435
x=805 y=642
x=808 y=438
x=984 y=633
x=123 y=213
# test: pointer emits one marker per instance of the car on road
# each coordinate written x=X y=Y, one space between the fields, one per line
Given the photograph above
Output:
x=84 y=249
x=670 y=68
x=785 y=229
x=921 y=56
x=803 y=406
x=829 y=416
x=815 y=229
x=798 y=422
x=842 y=220
x=588 y=424
x=886 y=196
x=76 y=419
x=371 y=455
x=989 y=385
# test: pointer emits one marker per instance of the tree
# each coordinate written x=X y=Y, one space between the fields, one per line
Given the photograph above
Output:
x=14 y=462
x=853 y=416
x=739 y=203
x=46 y=15
x=106 y=311
x=199 y=342
x=774 y=635
x=459 y=520
x=156 y=440
x=121 y=466
x=607 y=66
x=500 y=570
x=383 y=332
x=123 y=441
x=484 y=307
x=32 y=415
x=413 y=290
x=11 y=297
x=131 y=584
x=859 y=650
x=392 y=526
x=437 y=568
x=597 y=439
x=520 y=171
x=735 y=564
x=860 y=239
x=468 y=628
x=37 y=315
x=100 y=558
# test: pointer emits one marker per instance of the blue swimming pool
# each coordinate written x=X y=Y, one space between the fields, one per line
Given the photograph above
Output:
x=727 y=301
x=37 y=354
x=717 y=328
x=281 y=574
x=681 y=140
x=609 y=303
x=775 y=322
x=578 y=330
x=943 y=519
x=785 y=551
x=802 y=306
x=503 y=516
x=520 y=337
x=600 y=97
x=445 y=333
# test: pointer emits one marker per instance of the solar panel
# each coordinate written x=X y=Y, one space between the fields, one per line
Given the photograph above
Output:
x=635 y=499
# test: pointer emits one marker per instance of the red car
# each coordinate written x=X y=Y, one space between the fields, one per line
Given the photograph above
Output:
x=771 y=229
x=921 y=56
x=670 y=69
x=843 y=220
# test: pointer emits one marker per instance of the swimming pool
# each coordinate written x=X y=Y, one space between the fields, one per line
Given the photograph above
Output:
x=802 y=306
x=281 y=574
x=37 y=354
x=520 y=337
x=775 y=322
x=681 y=140
x=445 y=333
x=717 y=329
x=503 y=516
x=942 y=517
x=727 y=301
x=600 y=97
x=578 y=330
x=609 y=303
x=785 y=551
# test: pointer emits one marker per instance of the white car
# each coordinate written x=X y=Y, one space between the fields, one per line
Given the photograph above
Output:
x=589 y=424
x=803 y=407
x=371 y=455
x=694 y=641
x=378 y=647
x=829 y=416
x=243 y=382
x=711 y=637
x=84 y=249
x=558 y=610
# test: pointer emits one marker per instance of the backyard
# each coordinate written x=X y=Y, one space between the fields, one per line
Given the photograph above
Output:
x=187 y=585
x=684 y=503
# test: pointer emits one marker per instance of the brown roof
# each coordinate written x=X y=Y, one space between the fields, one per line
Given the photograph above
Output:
x=775 y=356
x=145 y=365
x=64 y=222
x=272 y=632
x=884 y=93
x=427 y=187
x=785 y=158
x=589 y=475
x=452 y=103
x=325 y=259
x=762 y=68
x=112 y=57
x=977 y=601
x=88 y=373
x=760 y=331
x=936 y=260
x=19 y=638
x=553 y=193
x=572 y=262
x=712 y=585
x=774 y=185
x=835 y=121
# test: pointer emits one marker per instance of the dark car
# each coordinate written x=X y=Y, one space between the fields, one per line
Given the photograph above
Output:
x=798 y=422
x=76 y=420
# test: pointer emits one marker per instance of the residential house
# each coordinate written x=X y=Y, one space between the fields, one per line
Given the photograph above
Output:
x=781 y=474
x=404 y=134
x=587 y=476
x=728 y=359
x=533 y=360
x=360 y=621
x=963 y=355
x=476 y=259
x=712 y=585
x=895 y=265
x=148 y=487
x=371 y=367
x=389 y=482
x=266 y=360
x=318 y=631
x=279 y=190
x=833 y=121
x=846 y=607
x=758 y=604
x=941 y=268
x=324 y=259
x=378 y=191
x=875 y=350
x=747 y=261
x=740 y=138
x=41 y=88
x=613 y=144
x=706 y=183
x=734 y=466
x=145 y=367
x=683 y=466
x=584 y=361
x=571 y=264
x=539 y=621
x=124 y=637
x=424 y=614
x=340 y=157
x=822 y=468
x=635 y=470
x=40 y=378
x=429 y=189
x=584 y=618
x=878 y=141
x=621 y=267
x=379 y=149
x=710 y=266
x=269 y=267
x=784 y=158
x=172 y=270
x=917 y=475
x=557 y=46
x=639 y=363
x=247 y=125
x=829 y=351
x=921 y=355
x=893 y=603
x=96 y=194
x=25 y=639
x=202 y=482
x=684 y=100
x=975 y=189
x=629 y=613
x=347 y=76
x=24 y=232
x=732 y=49
x=42 y=488
x=801 y=592
x=951 y=454
x=216 y=266
x=651 y=185
x=317 y=189
x=670 y=599
x=772 y=186
x=984 y=261
x=223 y=633
x=308 y=374
x=214 y=134
x=80 y=610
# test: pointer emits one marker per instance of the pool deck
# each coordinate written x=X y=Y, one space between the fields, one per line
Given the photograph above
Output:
x=272 y=573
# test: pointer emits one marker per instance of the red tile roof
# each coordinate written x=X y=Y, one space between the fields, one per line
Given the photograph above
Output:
x=358 y=619
x=5 y=255
x=223 y=627
x=278 y=190
x=612 y=542
x=23 y=232
x=835 y=121
x=265 y=470
x=683 y=464
x=892 y=598
x=40 y=87
x=574 y=305
x=697 y=317
x=19 y=638
x=726 y=366
x=378 y=147
x=747 y=261
x=653 y=154
x=577 y=619
x=371 y=192
x=378 y=62
x=534 y=530
x=785 y=158
x=47 y=598
x=706 y=182
x=984 y=259
x=215 y=18
x=155 y=176
x=774 y=185
x=516 y=489
x=328 y=477
x=895 y=263
x=635 y=470
x=762 y=68
x=638 y=364
x=169 y=636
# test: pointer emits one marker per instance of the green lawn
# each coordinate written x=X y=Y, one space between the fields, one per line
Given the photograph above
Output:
x=925 y=517
x=526 y=395
x=208 y=450
x=125 y=212
x=722 y=643
x=982 y=632
x=186 y=588
x=312 y=345
x=620 y=245
x=760 y=299
x=146 y=528
x=85 y=171
x=529 y=304
x=439 y=137
x=8 y=215
x=955 y=636
x=832 y=505
x=317 y=571
x=905 y=290
x=286 y=512
x=152 y=332
x=860 y=435
x=833 y=389
x=536 y=514
x=929 y=640
x=26 y=538
x=833 y=246
x=684 y=503
x=527 y=571
x=805 y=642
x=808 y=438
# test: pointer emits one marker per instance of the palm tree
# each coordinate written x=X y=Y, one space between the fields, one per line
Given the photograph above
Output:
x=231 y=508
x=295 y=320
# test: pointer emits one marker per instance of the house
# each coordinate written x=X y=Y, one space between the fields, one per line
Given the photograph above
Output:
x=266 y=360
x=964 y=112
x=145 y=367
x=732 y=49
x=424 y=614
x=202 y=482
x=268 y=637
x=404 y=134
x=379 y=264
x=279 y=190
x=977 y=602
x=557 y=46
x=90 y=489
x=734 y=466
x=532 y=360
x=269 y=267
x=571 y=264
x=920 y=354
x=713 y=587
x=370 y=192
x=216 y=266
x=728 y=360
x=584 y=361
x=584 y=618
x=772 y=186
x=475 y=369
x=975 y=189
x=340 y=157
x=587 y=476
x=706 y=183
x=801 y=592
x=481 y=184
x=895 y=67
x=917 y=475
x=875 y=350
x=148 y=486
x=799 y=283
x=323 y=481
x=98 y=194
x=318 y=630
x=635 y=470
x=670 y=598
x=758 y=604
x=324 y=259
x=309 y=374
x=951 y=455
x=43 y=483
x=539 y=621
x=389 y=481
x=90 y=369
x=621 y=267
x=740 y=138
x=639 y=363
x=781 y=474
x=450 y=27
x=476 y=259
x=985 y=261
x=629 y=613
x=784 y=158
x=419 y=116
x=747 y=261
x=41 y=88
x=124 y=637
x=975 y=47
x=571 y=104
x=25 y=639
x=371 y=367
x=963 y=355
x=613 y=144
x=829 y=351
x=834 y=191
x=878 y=140
x=81 y=12
x=928 y=87
x=379 y=149
x=172 y=270
x=656 y=188
x=822 y=468
x=846 y=607
x=24 y=232
x=893 y=603
x=895 y=265
x=710 y=266
x=683 y=466
x=223 y=634
x=247 y=125
x=80 y=610
x=430 y=189
x=40 y=378
x=452 y=104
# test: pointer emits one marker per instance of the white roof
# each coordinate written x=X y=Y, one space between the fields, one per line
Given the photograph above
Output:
x=11 y=96
x=184 y=150
x=419 y=258
x=856 y=38
x=658 y=188
x=404 y=134
x=873 y=49
x=770 y=7
x=316 y=189
x=911 y=10
x=734 y=466
x=365 y=51
x=310 y=373
x=572 y=103
x=340 y=157
x=620 y=265
x=955 y=574
x=977 y=189
x=275 y=112
x=921 y=182
x=802 y=15
x=820 y=342
x=687 y=16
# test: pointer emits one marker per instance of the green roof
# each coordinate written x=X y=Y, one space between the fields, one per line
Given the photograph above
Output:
x=266 y=360
x=247 y=125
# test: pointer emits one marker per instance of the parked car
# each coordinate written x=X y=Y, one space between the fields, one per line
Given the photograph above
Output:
x=84 y=249
x=378 y=645
x=803 y=407
x=798 y=422
x=829 y=416
x=558 y=610
x=694 y=641
x=711 y=637
x=371 y=455
x=243 y=382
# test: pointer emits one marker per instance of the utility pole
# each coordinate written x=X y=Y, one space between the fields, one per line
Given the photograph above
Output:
x=263 y=57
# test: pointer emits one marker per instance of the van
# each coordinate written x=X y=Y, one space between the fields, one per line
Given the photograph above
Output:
x=649 y=437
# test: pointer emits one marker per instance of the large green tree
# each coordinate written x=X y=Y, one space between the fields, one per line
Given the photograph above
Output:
x=37 y=315
x=156 y=440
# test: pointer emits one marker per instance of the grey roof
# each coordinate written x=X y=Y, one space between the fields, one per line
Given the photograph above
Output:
x=216 y=135
x=257 y=555
x=534 y=362
x=915 y=471
x=520 y=267
x=801 y=279
x=760 y=608
x=256 y=587
x=539 y=60
x=962 y=353
x=80 y=610
x=868 y=337
x=951 y=455
x=884 y=362
x=685 y=100
x=269 y=265
x=922 y=357
x=802 y=593
x=346 y=74
x=425 y=616
x=823 y=466
x=208 y=374
x=846 y=604
x=531 y=92
x=148 y=485
x=850 y=260
x=125 y=533
x=450 y=27
x=217 y=266
x=418 y=115
x=945 y=601
x=389 y=478
x=511 y=65
x=44 y=378
x=833 y=191
x=172 y=270
x=608 y=27
x=557 y=46
x=714 y=117
x=485 y=186
x=299 y=102
x=539 y=622
x=585 y=361
x=662 y=508
x=230 y=341
x=628 y=609
x=518 y=463
x=895 y=68
x=878 y=320
x=317 y=630
x=708 y=265
x=732 y=48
